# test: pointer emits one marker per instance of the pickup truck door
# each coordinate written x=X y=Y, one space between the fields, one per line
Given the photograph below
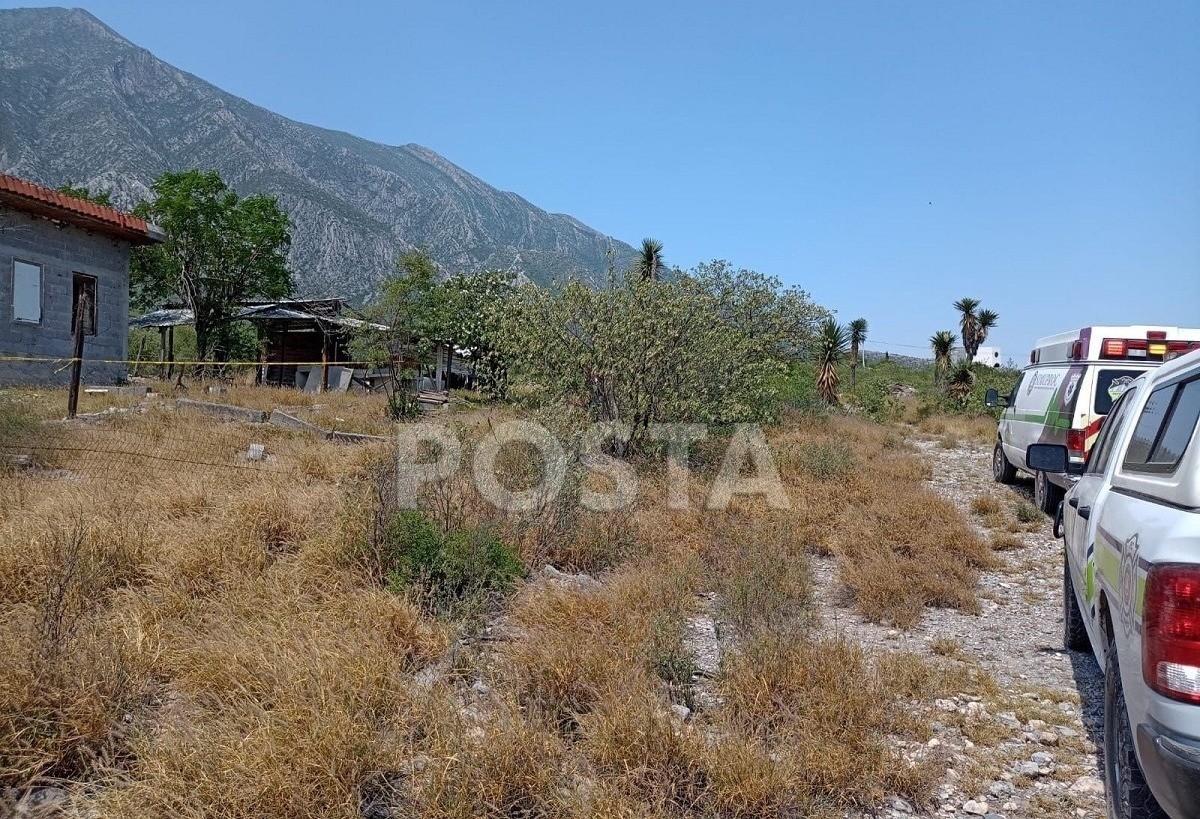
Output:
x=1079 y=522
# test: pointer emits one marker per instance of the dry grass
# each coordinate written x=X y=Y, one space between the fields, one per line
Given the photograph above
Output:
x=984 y=505
x=1006 y=542
x=206 y=636
x=978 y=429
x=900 y=547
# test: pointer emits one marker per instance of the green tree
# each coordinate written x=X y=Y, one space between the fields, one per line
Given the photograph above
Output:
x=220 y=250
x=98 y=198
x=472 y=310
x=780 y=321
x=407 y=319
x=858 y=337
x=649 y=264
x=643 y=351
x=830 y=347
x=942 y=345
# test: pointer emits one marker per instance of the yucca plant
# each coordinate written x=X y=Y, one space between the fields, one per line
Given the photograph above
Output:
x=942 y=345
x=649 y=265
x=960 y=382
x=858 y=337
x=830 y=347
x=968 y=322
x=987 y=320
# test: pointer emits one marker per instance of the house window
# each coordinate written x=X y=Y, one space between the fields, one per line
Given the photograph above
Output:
x=84 y=286
x=27 y=292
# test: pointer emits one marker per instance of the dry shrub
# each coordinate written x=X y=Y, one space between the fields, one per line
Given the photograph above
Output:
x=900 y=547
x=577 y=647
x=508 y=766
x=826 y=459
x=1006 y=542
x=68 y=676
x=984 y=505
x=906 y=548
x=1026 y=512
x=634 y=740
x=979 y=429
x=760 y=571
x=825 y=708
x=275 y=701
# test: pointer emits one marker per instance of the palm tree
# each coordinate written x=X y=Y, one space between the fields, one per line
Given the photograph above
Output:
x=831 y=346
x=649 y=264
x=968 y=322
x=858 y=337
x=987 y=320
x=961 y=382
x=942 y=344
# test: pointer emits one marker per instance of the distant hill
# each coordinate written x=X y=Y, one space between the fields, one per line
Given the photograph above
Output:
x=912 y=362
x=80 y=103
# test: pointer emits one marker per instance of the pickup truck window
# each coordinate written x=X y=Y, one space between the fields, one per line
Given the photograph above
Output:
x=1164 y=428
x=1102 y=451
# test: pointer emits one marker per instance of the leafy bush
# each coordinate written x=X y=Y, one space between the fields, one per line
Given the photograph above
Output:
x=643 y=352
x=450 y=572
x=1027 y=512
x=827 y=459
x=878 y=403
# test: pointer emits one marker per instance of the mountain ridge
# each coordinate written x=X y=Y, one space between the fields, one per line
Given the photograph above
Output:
x=81 y=103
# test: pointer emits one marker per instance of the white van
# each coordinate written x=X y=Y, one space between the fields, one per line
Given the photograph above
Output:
x=1067 y=390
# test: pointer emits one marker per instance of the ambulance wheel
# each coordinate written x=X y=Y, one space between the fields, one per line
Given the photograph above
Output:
x=1002 y=470
x=1075 y=636
x=1045 y=494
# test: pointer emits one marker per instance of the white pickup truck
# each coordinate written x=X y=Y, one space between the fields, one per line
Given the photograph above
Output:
x=1131 y=586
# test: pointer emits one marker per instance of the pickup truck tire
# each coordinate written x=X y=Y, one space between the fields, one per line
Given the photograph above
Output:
x=1075 y=636
x=1045 y=494
x=1002 y=470
x=1129 y=796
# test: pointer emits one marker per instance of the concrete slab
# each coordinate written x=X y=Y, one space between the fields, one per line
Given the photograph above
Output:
x=225 y=412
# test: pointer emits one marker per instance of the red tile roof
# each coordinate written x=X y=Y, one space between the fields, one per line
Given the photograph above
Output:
x=52 y=204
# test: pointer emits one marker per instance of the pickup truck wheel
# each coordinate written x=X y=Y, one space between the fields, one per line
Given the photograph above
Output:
x=1129 y=796
x=1075 y=636
x=1045 y=494
x=1002 y=470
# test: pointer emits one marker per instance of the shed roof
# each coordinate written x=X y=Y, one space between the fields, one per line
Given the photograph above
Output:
x=259 y=311
x=42 y=201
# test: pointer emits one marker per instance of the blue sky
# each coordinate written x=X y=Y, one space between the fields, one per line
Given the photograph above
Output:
x=889 y=157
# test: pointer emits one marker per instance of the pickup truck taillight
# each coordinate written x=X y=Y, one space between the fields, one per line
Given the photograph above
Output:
x=1171 y=631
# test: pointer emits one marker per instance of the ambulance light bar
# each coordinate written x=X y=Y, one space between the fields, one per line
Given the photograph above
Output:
x=1154 y=347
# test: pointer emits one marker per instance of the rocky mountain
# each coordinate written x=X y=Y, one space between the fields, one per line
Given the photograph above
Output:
x=80 y=103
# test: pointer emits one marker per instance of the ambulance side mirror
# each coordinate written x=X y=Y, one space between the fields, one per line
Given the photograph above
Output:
x=993 y=399
x=1047 y=458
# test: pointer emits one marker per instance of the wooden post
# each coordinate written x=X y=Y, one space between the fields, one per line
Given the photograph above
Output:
x=170 y=351
x=283 y=333
x=81 y=308
x=324 y=362
x=162 y=352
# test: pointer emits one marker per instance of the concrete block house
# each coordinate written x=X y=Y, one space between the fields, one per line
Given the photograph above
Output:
x=54 y=250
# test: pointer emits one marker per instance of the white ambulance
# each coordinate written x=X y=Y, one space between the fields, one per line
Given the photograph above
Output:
x=1066 y=391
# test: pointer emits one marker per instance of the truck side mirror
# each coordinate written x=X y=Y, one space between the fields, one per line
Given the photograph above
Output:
x=1046 y=458
x=992 y=398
